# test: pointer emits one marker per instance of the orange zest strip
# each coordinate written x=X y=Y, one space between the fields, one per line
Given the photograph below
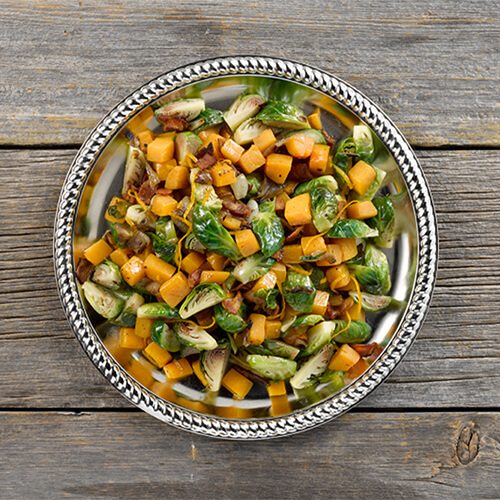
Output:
x=346 y=328
x=342 y=211
x=298 y=269
x=358 y=290
x=133 y=194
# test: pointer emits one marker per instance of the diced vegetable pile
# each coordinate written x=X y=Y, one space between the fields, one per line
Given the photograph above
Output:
x=245 y=248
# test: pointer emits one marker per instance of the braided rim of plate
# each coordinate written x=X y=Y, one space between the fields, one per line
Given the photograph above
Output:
x=299 y=420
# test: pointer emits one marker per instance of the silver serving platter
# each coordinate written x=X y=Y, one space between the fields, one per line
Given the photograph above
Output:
x=96 y=175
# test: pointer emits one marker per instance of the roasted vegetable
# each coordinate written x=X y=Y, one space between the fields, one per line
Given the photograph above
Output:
x=206 y=119
x=165 y=229
x=204 y=194
x=363 y=140
x=248 y=131
x=324 y=205
x=164 y=336
x=163 y=248
x=272 y=367
x=383 y=221
x=326 y=181
x=244 y=107
x=268 y=229
x=371 y=303
x=231 y=323
x=253 y=267
x=315 y=135
x=299 y=291
x=103 y=301
x=202 y=296
x=214 y=364
x=352 y=228
x=312 y=368
x=374 y=186
x=157 y=310
x=317 y=337
x=128 y=315
x=374 y=274
x=282 y=114
x=107 y=274
x=255 y=182
x=135 y=167
x=354 y=332
x=344 y=152
x=186 y=143
x=193 y=336
x=186 y=108
x=280 y=348
x=269 y=296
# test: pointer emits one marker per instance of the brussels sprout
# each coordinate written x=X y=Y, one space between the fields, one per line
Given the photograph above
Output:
x=314 y=134
x=248 y=131
x=121 y=233
x=214 y=364
x=255 y=180
x=319 y=279
x=210 y=201
x=269 y=296
x=312 y=368
x=363 y=140
x=164 y=336
x=193 y=243
x=372 y=303
x=102 y=300
x=318 y=336
x=165 y=229
x=142 y=219
x=187 y=108
x=351 y=228
x=128 y=316
x=252 y=267
x=272 y=367
x=164 y=249
x=188 y=351
x=324 y=205
x=358 y=331
x=344 y=153
x=334 y=381
x=157 y=310
x=299 y=291
x=280 y=348
x=107 y=274
x=326 y=181
x=201 y=297
x=307 y=320
x=268 y=229
x=206 y=119
x=212 y=234
x=240 y=187
x=118 y=209
x=231 y=323
x=135 y=167
x=282 y=114
x=138 y=242
x=193 y=336
x=186 y=143
x=374 y=186
x=254 y=209
x=244 y=107
x=383 y=221
x=374 y=274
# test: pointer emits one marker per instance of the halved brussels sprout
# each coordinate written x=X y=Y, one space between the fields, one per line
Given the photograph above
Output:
x=280 y=348
x=248 y=131
x=374 y=274
x=357 y=332
x=255 y=180
x=206 y=119
x=370 y=302
x=165 y=229
x=201 y=297
x=135 y=167
x=186 y=143
x=187 y=108
x=317 y=337
x=107 y=274
x=312 y=368
x=240 y=187
x=204 y=194
x=128 y=316
x=351 y=228
x=344 y=152
x=363 y=139
x=164 y=249
x=324 y=206
x=269 y=296
x=272 y=367
x=193 y=243
x=157 y=310
x=299 y=291
x=268 y=229
x=252 y=267
x=244 y=107
x=307 y=320
x=282 y=114
x=193 y=336
x=384 y=221
x=314 y=134
x=231 y=323
x=214 y=364
x=326 y=181
x=105 y=303
x=164 y=336
x=141 y=219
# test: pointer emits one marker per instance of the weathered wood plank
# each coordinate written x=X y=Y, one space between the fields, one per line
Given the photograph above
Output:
x=131 y=455
x=454 y=362
x=430 y=64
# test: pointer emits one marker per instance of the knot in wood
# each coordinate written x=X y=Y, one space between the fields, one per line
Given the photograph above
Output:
x=467 y=445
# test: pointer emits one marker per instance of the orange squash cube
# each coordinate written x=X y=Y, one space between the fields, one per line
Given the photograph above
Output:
x=163 y=169
x=298 y=210
x=257 y=332
x=313 y=244
x=278 y=167
x=344 y=359
x=143 y=327
x=237 y=384
x=161 y=149
x=157 y=355
x=120 y=256
x=223 y=174
x=192 y=261
x=178 y=369
x=265 y=282
x=157 y=269
x=97 y=252
x=177 y=178
x=214 y=277
x=338 y=276
x=175 y=289
x=361 y=175
x=318 y=160
x=205 y=134
x=129 y=340
x=145 y=137
x=163 y=205
x=279 y=270
x=232 y=151
x=133 y=270
x=265 y=140
x=276 y=388
x=314 y=119
x=273 y=329
x=280 y=405
x=216 y=261
x=217 y=141
x=347 y=246
x=231 y=223
x=320 y=303
x=292 y=254
x=361 y=211
x=251 y=159
x=358 y=369
x=247 y=242
x=300 y=146
x=336 y=252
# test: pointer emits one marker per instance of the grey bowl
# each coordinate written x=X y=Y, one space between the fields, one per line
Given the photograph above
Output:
x=95 y=176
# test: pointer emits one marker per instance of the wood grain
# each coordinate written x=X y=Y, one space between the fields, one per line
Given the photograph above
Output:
x=432 y=65
x=131 y=455
x=454 y=362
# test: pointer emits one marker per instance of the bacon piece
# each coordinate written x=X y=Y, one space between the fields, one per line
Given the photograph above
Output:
x=251 y=375
x=233 y=305
x=146 y=192
x=278 y=255
x=300 y=172
x=206 y=157
x=194 y=278
x=365 y=350
x=84 y=270
x=204 y=318
x=163 y=191
x=177 y=123
x=229 y=202
x=203 y=177
x=328 y=138
x=294 y=235
x=341 y=206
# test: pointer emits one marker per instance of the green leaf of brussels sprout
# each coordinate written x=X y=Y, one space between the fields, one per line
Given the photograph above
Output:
x=157 y=310
x=344 y=153
x=269 y=231
x=253 y=267
x=164 y=336
x=128 y=315
x=280 y=348
x=324 y=205
x=326 y=181
x=351 y=228
x=363 y=140
x=282 y=114
x=299 y=292
x=206 y=119
x=231 y=323
x=163 y=248
x=201 y=297
x=272 y=367
x=358 y=331
x=270 y=297
x=384 y=221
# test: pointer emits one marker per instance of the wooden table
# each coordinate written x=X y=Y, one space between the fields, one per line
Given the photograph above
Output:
x=432 y=430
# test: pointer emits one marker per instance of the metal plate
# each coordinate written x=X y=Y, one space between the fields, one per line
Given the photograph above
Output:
x=96 y=175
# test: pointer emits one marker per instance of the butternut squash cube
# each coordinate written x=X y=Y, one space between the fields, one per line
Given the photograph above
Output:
x=237 y=384
x=217 y=141
x=300 y=146
x=129 y=340
x=314 y=119
x=145 y=137
x=120 y=256
x=313 y=244
x=223 y=174
x=140 y=372
x=231 y=223
x=247 y=242
x=157 y=355
x=278 y=167
x=358 y=369
x=214 y=277
x=298 y=210
x=318 y=160
x=232 y=151
x=257 y=332
x=361 y=211
x=161 y=149
x=178 y=369
x=265 y=140
x=143 y=327
x=292 y=254
x=344 y=359
x=205 y=134
x=273 y=329
x=133 y=270
x=280 y=405
x=320 y=303
x=97 y=252
x=347 y=246
x=336 y=256
x=338 y=276
x=361 y=175
x=163 y=205
x=197 y=371
x=175 y=289
x=163 y=169
x=192 y=261
x=177 y=178
x=276 y=388
x=266 y=282
x=279 y=270
x=251 y=159
x=216 y=261
x=157 y=269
